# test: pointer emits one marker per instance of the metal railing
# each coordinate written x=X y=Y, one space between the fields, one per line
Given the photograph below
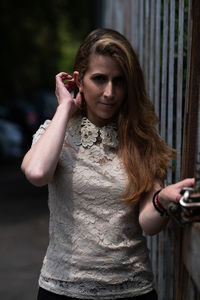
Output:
x=159 y=32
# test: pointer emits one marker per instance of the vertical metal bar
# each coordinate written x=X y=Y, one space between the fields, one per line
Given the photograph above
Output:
x=160 y=265
x=164 y=70
x=156 y=242
x=151 y=83
x=167 y=257
x=134 y=25
x=141 y=30
x=189 y=43
x=197 y=175
x=119 y=12
x=146 y=38
x=148 y=238
x=127 y=20
x=178 y=264
x=161 y=248
x=118 y=25
x=171 y=82
x=154 y=255
x=189 y=50
x=152 y=58
x=179 y=88
x=108 y=13
x=104 y=14
x=103 y=18
x=113 y=18
x=190 y=133
x=168 y=272
x=171 y=274
x=157 y=61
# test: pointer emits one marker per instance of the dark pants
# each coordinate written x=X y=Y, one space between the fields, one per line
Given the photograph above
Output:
x=45 y=295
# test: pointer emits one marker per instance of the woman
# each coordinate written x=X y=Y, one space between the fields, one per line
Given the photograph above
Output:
x=104 y=162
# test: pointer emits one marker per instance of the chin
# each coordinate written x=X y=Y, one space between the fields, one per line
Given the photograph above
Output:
x=107 y=115
x=106 y=119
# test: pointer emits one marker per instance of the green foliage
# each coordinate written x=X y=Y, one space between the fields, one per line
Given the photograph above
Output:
x=39 y=39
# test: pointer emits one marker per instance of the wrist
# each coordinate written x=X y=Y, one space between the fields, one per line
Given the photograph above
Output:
x=62 y=114
x=64 y=109
x=68 y=108
x=158 y=205
x=64 y=106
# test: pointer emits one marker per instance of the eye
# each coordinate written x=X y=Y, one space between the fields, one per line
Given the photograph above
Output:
x=99 y=78
x=119 y=80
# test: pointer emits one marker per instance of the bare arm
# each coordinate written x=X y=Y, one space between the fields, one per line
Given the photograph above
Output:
x=40 y=162
x=149 y=219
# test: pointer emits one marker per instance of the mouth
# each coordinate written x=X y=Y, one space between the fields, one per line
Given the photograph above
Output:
x=107 y=105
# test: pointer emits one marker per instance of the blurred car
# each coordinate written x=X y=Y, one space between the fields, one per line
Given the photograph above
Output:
x=19 y=120
x=24 y=114
x=11 y=140
x=45 y=103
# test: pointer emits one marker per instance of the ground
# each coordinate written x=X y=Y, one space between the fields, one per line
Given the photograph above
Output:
x=23 y=233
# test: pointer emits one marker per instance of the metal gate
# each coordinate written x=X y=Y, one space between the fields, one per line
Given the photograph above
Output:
x=166 y=36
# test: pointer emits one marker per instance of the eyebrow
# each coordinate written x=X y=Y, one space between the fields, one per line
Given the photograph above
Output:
x=103 y=74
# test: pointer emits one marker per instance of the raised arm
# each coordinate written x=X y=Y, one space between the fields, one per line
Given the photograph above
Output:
x=149 y=218
x=40 y=161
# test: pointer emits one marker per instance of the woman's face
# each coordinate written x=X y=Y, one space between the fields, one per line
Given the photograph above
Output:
x=104 y=89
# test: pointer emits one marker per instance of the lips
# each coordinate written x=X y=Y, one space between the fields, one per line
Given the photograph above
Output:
x=108 y=105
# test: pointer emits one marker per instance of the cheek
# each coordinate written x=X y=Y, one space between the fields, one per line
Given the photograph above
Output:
x=92 y=91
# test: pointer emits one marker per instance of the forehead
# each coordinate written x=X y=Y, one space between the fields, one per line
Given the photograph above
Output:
x=103 y=64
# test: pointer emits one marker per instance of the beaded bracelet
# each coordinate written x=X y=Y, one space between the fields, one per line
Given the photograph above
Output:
x=158 y=206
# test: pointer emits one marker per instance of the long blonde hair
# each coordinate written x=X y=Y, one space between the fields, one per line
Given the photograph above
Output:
x=145 y=155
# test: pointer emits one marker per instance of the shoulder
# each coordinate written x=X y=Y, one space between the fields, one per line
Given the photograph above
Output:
x=73 y=132
x=40 y=131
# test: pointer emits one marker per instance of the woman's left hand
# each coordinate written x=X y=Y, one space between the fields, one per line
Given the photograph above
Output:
x=172 y=193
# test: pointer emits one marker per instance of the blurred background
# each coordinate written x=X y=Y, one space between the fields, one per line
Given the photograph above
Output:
x=38 y=40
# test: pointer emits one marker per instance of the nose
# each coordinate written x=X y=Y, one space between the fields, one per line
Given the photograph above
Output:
x=109 y=90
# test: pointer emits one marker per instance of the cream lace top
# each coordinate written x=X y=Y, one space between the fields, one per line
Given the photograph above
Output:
x=96 y=247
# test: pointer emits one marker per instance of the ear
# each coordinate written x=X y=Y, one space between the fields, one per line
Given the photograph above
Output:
x=78 y=81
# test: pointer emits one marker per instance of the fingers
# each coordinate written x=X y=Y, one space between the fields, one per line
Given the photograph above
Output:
x=173 y=192
x=62 y=78
x=63 y=75
x=178 y=197
x=188 y=182
x=66 y=80
x=70 y=85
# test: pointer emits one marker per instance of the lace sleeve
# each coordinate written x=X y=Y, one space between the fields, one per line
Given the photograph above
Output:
x=40 y=131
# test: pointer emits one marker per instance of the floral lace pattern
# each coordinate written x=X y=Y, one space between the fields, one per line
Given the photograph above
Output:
x=96 y=290
x=99 y=144
x=87 y=134
x=96 y=248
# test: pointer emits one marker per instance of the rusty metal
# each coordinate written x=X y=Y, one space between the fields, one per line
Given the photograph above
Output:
x=179 y=102
x=191 y=146
x=190 y=132
x=191 y=262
